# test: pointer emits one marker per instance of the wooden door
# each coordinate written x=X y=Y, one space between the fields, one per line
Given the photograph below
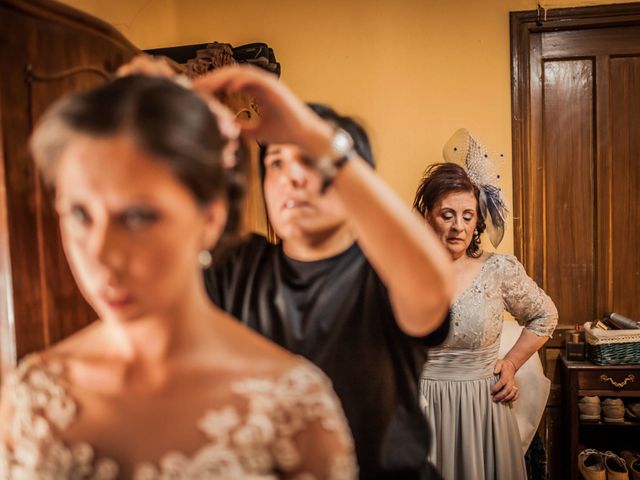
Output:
x=576 y=159
x=46 y=50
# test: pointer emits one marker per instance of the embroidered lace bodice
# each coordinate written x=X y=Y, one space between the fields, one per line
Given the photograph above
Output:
x=502 y=284
x=262 y=436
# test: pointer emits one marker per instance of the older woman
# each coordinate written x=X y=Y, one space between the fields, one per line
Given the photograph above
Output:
x=164 y=384
x=466 y=389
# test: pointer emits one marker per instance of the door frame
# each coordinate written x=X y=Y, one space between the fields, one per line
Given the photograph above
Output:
x=525 y=45
x=522 y=25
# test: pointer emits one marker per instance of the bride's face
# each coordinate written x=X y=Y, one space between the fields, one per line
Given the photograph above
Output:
x=131 y=231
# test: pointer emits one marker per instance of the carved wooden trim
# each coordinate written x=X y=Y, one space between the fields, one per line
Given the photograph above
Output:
x=39 y=76
x=215 y=55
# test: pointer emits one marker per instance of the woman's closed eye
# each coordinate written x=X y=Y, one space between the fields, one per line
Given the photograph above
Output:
x=467 y=217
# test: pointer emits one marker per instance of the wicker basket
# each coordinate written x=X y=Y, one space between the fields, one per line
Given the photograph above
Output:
x=612 y=347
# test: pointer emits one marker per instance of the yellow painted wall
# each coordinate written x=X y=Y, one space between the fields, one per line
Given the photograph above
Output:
x=412 y=70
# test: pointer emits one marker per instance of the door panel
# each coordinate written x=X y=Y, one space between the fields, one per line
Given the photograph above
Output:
x=576 y=164
x=625 y=202
x=578 y=167
x=568 y=165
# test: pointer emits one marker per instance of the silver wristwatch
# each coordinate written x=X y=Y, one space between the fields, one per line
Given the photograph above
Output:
x=342 y=149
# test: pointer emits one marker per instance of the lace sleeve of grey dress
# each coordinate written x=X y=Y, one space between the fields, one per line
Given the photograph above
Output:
x=525 y=300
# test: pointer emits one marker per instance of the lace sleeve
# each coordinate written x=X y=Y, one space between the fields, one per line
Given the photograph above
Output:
x=30 y=401
x=325 y=445
x=6 y=414
x=526 y=301
x=34 y=407
x=313 y=441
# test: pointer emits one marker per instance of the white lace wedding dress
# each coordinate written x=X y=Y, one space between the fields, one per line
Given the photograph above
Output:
x=260 y=436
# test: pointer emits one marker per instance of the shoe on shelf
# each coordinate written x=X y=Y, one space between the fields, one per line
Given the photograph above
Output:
x=633 y=463
x=591 y=465
x=633 y=410
x=615 y=466
x=613 y=410
x=589 y=408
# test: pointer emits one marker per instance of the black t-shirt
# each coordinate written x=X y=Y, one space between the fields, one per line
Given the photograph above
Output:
x=336 y=313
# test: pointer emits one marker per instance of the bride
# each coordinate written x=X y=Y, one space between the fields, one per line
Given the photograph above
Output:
x=163 y=384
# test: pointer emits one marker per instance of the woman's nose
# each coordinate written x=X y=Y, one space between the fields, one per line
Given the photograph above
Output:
x=457 y=224
x=298 y=174
x=106 y=248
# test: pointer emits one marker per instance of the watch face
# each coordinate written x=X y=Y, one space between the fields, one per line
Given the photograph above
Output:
x=342 y=142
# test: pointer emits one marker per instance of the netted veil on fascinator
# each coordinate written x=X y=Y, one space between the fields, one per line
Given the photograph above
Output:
x=467 y=152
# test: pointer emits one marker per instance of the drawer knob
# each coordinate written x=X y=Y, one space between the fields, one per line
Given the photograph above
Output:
x=629 y=378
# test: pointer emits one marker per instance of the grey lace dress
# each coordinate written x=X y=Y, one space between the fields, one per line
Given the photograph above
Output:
x=475 y=438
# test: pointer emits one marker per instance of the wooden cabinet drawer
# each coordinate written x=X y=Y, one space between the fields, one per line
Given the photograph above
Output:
x=610 y=380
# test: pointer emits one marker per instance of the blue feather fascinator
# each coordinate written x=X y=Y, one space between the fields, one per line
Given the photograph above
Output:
x=467 y=152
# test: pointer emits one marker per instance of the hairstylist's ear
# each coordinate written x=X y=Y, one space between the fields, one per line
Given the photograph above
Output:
x=215 y=216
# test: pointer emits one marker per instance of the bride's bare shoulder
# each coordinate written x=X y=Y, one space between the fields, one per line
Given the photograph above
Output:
x=256 y=354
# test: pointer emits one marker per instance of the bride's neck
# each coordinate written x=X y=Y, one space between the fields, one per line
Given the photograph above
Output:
x=157 y=337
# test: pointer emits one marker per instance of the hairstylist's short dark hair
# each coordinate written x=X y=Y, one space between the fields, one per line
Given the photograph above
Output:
x=441 y=179
x=357 y=132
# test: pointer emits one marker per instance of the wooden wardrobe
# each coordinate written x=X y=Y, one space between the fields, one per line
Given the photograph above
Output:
x=46 y=50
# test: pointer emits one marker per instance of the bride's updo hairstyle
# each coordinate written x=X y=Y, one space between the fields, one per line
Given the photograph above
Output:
x=171 y=123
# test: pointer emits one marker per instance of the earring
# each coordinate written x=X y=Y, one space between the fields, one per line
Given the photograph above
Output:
x=205 y=259
x=475 y=232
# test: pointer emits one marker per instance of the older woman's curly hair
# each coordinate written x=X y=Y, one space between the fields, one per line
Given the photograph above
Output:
x=441 y=179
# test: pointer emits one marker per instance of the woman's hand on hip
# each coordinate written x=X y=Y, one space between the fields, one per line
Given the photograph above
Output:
x=505 y=390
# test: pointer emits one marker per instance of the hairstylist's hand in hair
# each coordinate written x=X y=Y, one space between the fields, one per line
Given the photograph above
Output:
x=160 y=66
x=284 y=118
x=151 y=66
